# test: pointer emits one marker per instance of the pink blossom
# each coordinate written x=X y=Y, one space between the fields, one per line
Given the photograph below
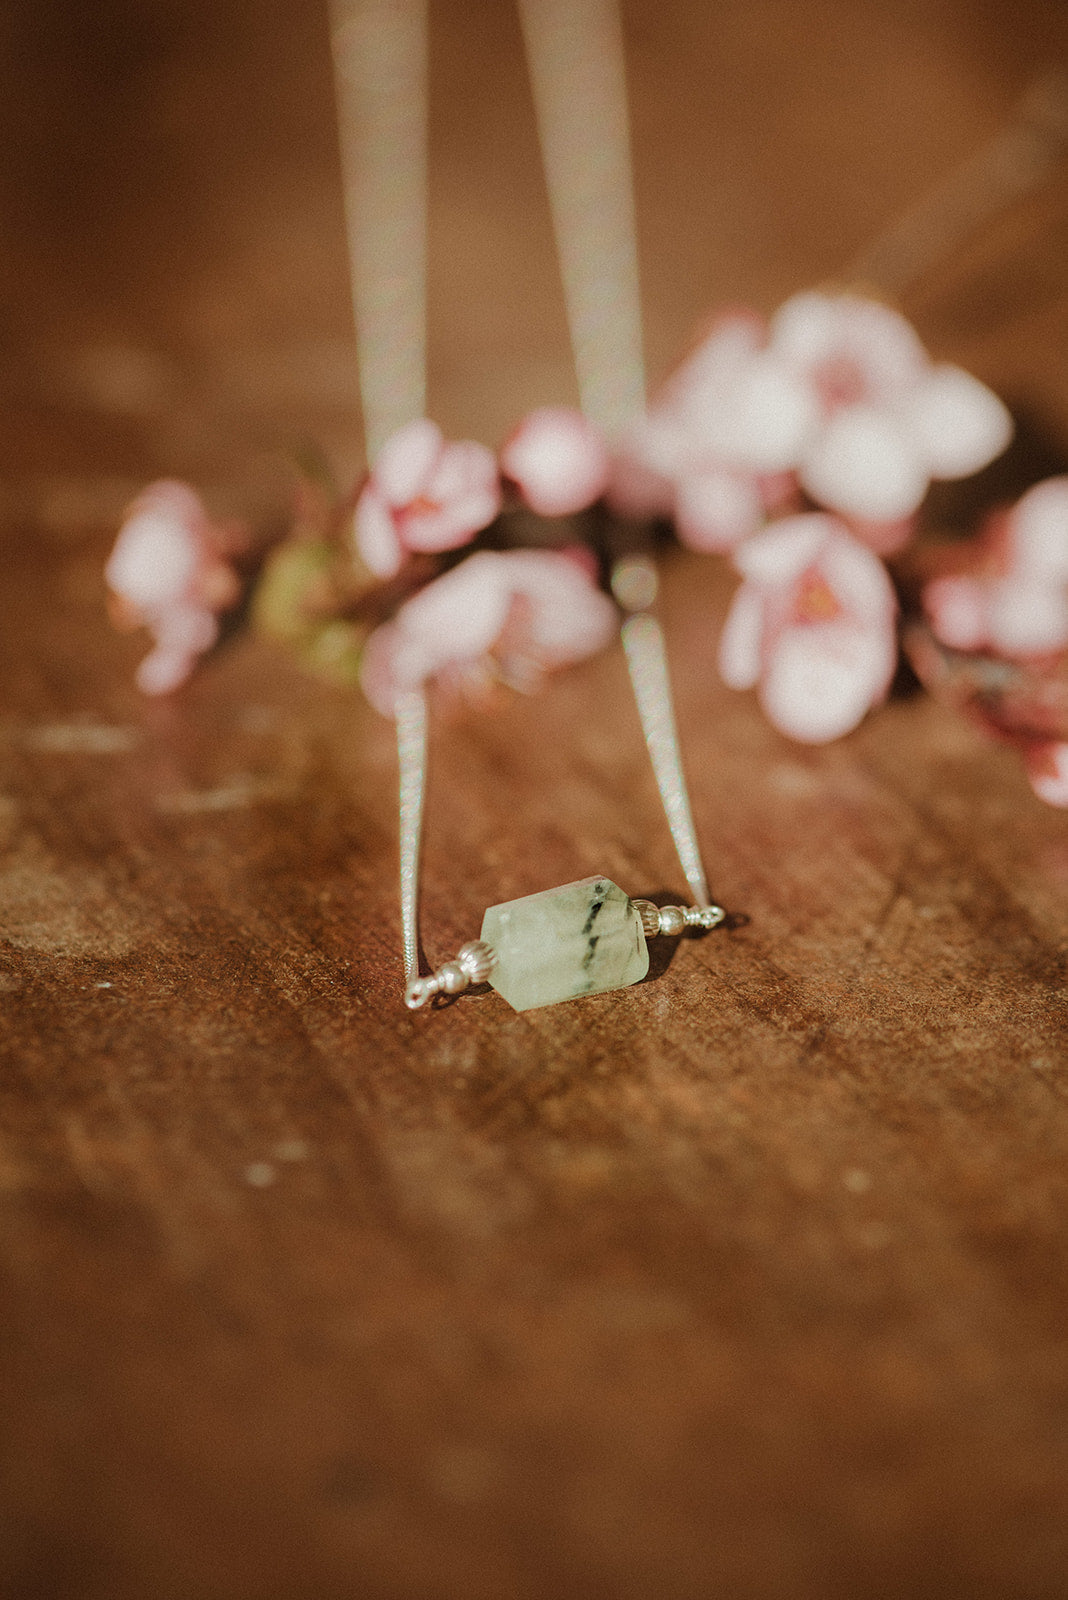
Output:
x=1014 y=599
x=424 y=493
x=837 y=396
x=558 y=461
x=887 y=419
x=812 y=625
x=168 y=573
x=717 y=445
x=509 y=615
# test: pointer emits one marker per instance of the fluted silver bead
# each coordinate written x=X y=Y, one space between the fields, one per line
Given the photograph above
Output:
x=478 y=960
x=650 y=917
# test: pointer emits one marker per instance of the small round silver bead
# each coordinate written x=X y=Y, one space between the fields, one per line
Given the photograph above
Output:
x=478 y=959
x=634 y=583
x=672 y=920
x=451 y=977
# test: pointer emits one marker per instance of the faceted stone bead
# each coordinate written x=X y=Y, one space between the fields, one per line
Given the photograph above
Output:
x=580 y=939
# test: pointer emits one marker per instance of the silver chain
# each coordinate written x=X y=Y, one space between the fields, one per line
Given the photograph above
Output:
x=380 y=77
x=411 y=755
x=643 y=642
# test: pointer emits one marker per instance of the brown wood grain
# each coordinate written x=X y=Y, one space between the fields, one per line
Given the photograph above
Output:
x=749 y=1281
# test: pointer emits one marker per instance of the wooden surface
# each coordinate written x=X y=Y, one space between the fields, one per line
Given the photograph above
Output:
x=751 y=1281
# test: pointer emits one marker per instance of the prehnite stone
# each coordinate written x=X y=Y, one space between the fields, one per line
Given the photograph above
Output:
x=583 y=938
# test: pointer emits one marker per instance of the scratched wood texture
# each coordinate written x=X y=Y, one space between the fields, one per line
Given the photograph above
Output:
x=751 y=1281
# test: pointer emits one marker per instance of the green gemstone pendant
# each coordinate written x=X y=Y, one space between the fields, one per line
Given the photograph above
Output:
x=583 y=938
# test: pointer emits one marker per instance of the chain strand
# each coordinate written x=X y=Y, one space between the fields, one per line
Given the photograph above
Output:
x=578 y=78
x=380 y=74
x=643 y=642
x=411 y=754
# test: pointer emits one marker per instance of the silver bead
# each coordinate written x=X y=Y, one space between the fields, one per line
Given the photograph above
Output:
x=451 y=977
x=650 y=917
x=672 y=920
x=478 y=959
x=634 y=583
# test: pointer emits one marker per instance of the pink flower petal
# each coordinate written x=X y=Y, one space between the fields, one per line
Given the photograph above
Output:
x=386 y=668
x=716 y=510
x=868 y=344
x=1038 y=530
x=375 y=533
x=768 y=420
x=807 y=328
x=732 y=404
x=858 y=580
x=958 y=423
x=461 y=496
x=161 y=545
x=682 y=429
x=162 y=671
x=558 y=460
x=189 y=629
x=177 y=501
x=865 y=466
x=463 y=468
x=740 y=641
x=957 y=608
x=1028 y=616
x=780 y=552
x=1047 y=769
x=709 y=373
x=461 y=613
x=154 y=561
x=820 y=681
x=448 y=526
x=406 y=461
x=440 y=527
x=569 y=617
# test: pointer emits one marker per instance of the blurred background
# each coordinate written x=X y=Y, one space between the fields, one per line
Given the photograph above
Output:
x=172 y=247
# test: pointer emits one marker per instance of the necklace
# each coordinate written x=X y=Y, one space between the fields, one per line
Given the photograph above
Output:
x=586 y=937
